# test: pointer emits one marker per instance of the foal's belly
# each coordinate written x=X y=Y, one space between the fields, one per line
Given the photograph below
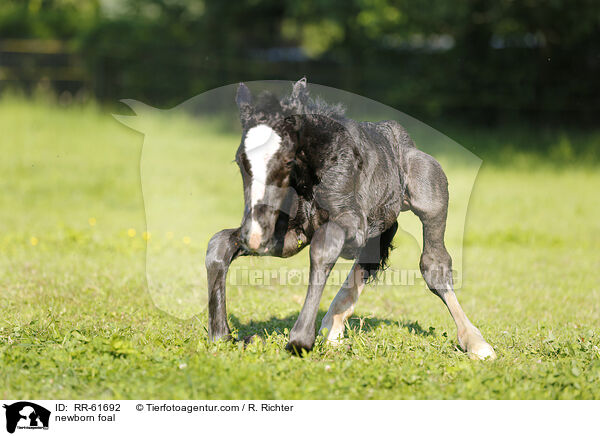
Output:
x=383 y=217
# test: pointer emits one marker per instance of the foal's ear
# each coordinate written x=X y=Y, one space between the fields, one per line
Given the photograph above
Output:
x=299 y=88
x=300 y=91
x=243 y=98
x=298 y=99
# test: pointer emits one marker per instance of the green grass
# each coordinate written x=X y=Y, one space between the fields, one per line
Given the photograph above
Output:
x=77 y=319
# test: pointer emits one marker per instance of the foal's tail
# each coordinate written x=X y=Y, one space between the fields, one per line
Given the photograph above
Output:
x=374 y=257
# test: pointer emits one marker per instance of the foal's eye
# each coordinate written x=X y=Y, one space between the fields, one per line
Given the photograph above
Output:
x=290 y=163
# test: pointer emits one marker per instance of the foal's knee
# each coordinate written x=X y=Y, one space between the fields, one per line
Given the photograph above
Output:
x=220 y=250
x=214 y=257
x=436 y=267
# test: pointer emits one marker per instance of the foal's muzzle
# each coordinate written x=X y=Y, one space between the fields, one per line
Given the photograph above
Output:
x=258 y=227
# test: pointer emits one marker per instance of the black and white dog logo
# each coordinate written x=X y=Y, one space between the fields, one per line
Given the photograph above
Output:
x=26 y=415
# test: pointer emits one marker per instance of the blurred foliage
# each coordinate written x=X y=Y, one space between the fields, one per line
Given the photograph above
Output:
x=478 y=60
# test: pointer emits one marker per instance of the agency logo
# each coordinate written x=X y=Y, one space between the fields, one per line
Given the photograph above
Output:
x=26 y=415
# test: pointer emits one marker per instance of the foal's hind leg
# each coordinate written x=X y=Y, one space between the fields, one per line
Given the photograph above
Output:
x=370 y=260
x=428 y=194
x=342 y=306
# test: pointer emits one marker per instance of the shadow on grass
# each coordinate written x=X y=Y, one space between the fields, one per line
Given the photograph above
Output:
x=277 y=325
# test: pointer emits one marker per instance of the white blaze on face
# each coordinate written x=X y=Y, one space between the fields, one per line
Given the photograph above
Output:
x=260 y=145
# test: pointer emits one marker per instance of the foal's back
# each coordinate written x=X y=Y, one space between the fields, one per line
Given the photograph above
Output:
x=381 y=181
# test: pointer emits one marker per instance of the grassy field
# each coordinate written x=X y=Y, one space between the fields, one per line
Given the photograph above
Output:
x=77 y=319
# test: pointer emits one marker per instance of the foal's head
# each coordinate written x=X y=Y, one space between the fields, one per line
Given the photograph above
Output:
x=266 y=157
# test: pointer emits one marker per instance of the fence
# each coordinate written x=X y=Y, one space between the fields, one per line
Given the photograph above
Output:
x=30 y=63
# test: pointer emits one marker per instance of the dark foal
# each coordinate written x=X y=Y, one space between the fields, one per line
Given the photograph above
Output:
x=314 y=177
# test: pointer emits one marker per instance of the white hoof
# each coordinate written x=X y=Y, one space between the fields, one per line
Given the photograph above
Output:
x=335 y=342
x=476 y=347
x=482 y=351
x=334 y=337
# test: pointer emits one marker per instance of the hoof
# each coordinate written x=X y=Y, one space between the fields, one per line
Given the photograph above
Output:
x=476 y=347
x=331 y=337
x=298 y=347
x=226 y=337
x=335 y=342
x=482 y=351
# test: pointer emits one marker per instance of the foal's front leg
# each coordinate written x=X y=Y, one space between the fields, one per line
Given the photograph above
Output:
x=222 y=249
x=325 y=248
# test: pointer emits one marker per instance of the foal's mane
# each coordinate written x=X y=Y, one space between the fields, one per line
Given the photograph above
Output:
x=267 y=102
x=320 y=107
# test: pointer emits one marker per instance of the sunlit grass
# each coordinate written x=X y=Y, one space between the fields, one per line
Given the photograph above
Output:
x=77 y=319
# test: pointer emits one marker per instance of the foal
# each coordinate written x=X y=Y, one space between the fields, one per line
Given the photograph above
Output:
x=314 y=177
